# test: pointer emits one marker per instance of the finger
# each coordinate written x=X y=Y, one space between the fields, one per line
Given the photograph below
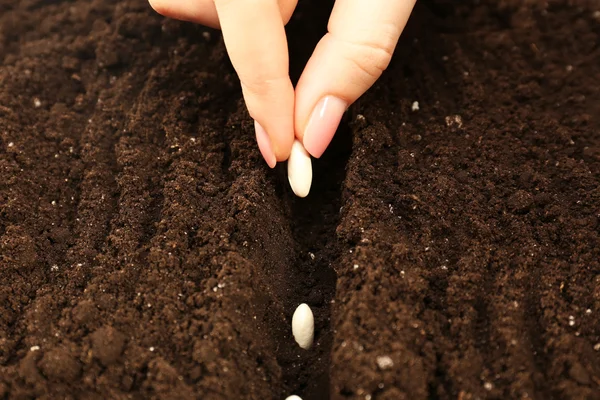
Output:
x=198 y=11
x=204 y=12
x=254 y=35
x=361 y=38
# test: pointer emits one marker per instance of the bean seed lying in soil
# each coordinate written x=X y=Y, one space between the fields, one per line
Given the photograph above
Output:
x=293 y=397
x=300 y=170
x=303 y=326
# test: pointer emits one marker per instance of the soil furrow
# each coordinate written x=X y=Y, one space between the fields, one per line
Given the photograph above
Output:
x=312 y=278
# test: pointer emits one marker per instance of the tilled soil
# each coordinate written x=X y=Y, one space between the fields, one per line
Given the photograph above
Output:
x=450 y=252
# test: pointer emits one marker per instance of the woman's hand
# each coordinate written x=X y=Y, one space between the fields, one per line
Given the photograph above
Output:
x=362 y=35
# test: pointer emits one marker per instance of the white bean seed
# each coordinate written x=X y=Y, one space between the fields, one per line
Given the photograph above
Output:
x=293 y=397
x=303 y=326
x=299 y=170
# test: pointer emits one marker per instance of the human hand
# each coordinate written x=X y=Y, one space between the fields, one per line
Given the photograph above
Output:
x=358 y=47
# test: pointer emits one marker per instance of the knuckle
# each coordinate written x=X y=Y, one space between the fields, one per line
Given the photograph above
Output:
x=263 y=86
x=371 y=60
x=373 y=52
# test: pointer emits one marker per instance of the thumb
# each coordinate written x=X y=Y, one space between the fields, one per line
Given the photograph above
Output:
x=346 y=63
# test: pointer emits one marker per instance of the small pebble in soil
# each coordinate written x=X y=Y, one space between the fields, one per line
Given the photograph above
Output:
x=299 y=170
x=303 y=326
x=384 y=362
x=293 y=397
x=415 y=106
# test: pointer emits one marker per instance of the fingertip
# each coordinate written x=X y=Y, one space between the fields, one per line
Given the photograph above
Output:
x=283 y=146
x=162 y=7
x=273 y=106
x=264 y=145
x=198 y=11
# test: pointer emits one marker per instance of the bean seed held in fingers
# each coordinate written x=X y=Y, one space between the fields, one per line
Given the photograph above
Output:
x=300 y=170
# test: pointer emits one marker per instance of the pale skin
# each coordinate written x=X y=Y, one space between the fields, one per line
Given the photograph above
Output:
x=360 y=40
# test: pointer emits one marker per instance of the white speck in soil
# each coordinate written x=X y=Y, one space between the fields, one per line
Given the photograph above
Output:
x=34 y=348
x=311 y=255
x=384 y=362
x=571 y=320
x=588 y=311
x=415 y=106
x=53 y=202
x=11 y=144
x=355 y=266
x=151 y=348
x=54 y=268
x=488 y=386
x=454 y=120
x=597 y=347
x=37 y=103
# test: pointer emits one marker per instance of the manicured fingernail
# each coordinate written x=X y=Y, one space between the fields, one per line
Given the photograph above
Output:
x=322 y=125
x=264 y=145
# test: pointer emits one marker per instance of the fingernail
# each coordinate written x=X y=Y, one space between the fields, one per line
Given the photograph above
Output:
x=264 y=145
x=322 y=125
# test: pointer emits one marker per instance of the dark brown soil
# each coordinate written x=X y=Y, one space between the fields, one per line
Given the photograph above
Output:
x=452 y=252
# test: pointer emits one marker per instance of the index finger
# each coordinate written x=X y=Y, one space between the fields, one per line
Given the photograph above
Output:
x=254 y=35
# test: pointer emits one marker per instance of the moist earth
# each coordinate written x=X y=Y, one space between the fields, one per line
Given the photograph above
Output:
x=449 y=252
